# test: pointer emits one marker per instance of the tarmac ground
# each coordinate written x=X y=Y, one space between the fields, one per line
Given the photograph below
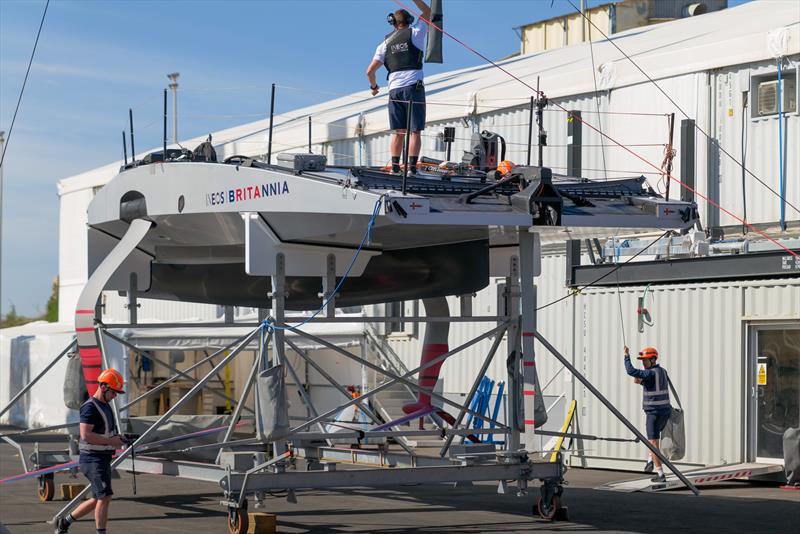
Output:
x=165 y=504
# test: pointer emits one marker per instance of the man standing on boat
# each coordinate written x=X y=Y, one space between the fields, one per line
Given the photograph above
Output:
x=401 y=52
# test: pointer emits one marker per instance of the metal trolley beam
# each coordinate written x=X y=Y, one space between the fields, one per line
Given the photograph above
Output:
x=233 y=483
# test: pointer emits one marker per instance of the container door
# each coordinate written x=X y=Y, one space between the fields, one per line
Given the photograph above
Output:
x=776 y=389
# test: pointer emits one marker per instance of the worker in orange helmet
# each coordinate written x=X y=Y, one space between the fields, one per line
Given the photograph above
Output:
x=655 y=401
x=99 y=439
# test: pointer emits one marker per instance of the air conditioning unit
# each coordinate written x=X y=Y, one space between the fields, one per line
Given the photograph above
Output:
x=768 y=96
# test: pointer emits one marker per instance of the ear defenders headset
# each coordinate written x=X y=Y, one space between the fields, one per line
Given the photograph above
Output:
x=408 y=18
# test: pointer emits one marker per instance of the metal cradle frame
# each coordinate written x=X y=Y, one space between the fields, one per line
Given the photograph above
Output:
x=309 y=440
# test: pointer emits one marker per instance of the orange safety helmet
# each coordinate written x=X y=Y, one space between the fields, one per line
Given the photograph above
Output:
x=648 y=353
x=505 y=167
x=113 y=378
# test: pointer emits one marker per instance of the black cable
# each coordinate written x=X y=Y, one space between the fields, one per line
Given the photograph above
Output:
x=651 y=80
x=24 y=82
x=133 y=468
x=615 y=269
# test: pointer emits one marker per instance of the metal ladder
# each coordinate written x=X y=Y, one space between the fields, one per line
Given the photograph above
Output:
x=389 y=360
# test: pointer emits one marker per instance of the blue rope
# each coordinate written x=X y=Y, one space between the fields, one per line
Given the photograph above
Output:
x=269 y=326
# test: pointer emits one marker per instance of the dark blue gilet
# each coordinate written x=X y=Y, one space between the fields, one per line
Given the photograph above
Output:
x=401 y=54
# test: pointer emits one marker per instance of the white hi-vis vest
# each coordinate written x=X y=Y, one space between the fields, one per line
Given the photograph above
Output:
x=656 y=396
x=88 y=447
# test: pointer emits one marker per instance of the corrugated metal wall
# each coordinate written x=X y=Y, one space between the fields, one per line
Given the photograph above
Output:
x=762 y=147
x=116 y=311
x=697 y=330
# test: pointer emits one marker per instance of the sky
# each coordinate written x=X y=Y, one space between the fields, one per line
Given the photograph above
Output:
x=97 y=59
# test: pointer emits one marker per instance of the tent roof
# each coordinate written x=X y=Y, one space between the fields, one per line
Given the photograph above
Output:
x=188 y=337
x=751 y=32
x=218 y=337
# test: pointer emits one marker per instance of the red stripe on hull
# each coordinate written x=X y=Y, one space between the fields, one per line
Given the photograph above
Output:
x=91 y=362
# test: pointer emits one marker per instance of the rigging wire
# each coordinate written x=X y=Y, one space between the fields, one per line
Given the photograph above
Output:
x=619 y=297
x=672 y=101
x=597 y=97
x=576 y=292
x=24 y=83
x=631 y=152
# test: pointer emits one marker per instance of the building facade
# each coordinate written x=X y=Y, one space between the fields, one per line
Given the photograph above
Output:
x=607 y=19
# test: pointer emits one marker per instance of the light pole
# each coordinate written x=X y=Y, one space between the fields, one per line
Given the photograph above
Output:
x=2 y=146
x=583 y=21
x=173 y=78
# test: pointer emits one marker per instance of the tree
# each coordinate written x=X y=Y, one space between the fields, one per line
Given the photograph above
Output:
x=13 y=319
x=51 y=315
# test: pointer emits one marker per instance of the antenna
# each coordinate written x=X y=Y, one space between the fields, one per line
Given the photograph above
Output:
x=271 y=116
x=124 y=148
x=309 y=134
x=530 y=130
x=133 y=150
x=165 y=125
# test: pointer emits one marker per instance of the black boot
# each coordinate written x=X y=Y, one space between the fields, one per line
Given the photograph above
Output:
x=648 y=467
x=62 y=525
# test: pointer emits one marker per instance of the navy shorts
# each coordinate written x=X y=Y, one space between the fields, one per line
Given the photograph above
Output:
x=656 y=423
x=398 y=107
x=99 y=475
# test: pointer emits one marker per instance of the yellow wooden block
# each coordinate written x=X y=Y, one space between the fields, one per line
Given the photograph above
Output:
x=69 y=491
x=262 y=523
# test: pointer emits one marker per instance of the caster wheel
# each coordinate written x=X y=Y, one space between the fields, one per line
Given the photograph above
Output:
x=238 y=521
x=46 y=489
x=548 y=512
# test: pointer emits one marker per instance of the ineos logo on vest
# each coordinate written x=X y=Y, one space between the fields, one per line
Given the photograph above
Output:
x=399 y=48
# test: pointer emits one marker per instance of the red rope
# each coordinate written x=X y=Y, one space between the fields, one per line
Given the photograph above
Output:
x=653 y=165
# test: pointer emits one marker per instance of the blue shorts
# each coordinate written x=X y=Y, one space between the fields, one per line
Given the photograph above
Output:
x=99 y=475
x=398 y=107
x=656 y=423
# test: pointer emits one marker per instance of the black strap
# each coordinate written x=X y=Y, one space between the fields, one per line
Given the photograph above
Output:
x=133 y=468
x=672 y=388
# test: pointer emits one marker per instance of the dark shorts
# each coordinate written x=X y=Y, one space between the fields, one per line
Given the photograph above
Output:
x=398 y=107
x=656 y=423
x=99 y=475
